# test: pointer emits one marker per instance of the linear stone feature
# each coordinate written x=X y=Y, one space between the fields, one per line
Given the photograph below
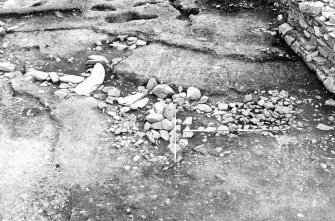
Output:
x=310 y=32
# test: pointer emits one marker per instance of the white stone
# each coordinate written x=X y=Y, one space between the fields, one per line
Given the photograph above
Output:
x=330 y=102
x=38 y=75
x=187 y=133
x=204 y=108
x=223 y=106
x=223 y=130
x=188 y=121
x=164 y=135
x=153 y=118
x=92 y=82
x=54 y=77
x=7 y=67
x=93 y=59
x=140 y=42
x=61 y=93
x=159 y=107
x=71 y=79
x=140 y=104
x=193 y=93
x=312 y=8
x=119 y=46
x=113 y=92
x=163 y=91
x=324 y=127
x=183 y=143
x=167 y=125
x=152 y=83
x=131 y=99
x=170 y=111
x=284 y=28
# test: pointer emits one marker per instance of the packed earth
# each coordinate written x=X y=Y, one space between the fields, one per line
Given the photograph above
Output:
x=160 y=110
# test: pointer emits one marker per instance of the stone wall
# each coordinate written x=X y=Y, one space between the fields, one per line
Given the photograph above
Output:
x=310 y=32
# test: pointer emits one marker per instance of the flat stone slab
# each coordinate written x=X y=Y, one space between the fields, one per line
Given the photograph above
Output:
x=205 y=71
x=29 y=6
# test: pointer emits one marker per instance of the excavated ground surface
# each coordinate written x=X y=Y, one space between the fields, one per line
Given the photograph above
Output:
x=56 y=159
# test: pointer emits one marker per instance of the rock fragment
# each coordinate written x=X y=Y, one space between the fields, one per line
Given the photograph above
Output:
x=162 y=91
x=92 y=82
x=71 y=79
x=7 y=67
x=193 y=93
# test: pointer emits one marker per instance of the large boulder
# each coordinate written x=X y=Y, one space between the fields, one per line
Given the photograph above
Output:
x=312 y=8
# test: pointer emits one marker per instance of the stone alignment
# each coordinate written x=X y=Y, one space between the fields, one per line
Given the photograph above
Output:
x=310 y=32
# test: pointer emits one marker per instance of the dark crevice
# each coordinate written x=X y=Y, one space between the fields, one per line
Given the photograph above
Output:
x=128 y=16
x=103 y=7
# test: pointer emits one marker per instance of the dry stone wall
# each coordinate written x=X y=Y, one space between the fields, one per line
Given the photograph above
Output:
x=310 y=32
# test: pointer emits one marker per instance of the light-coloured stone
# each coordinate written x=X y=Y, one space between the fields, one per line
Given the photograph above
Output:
x=153 y=118
x=193 y=93
x=164 y=135
x=167 y=125
x=157 y=126
x=152 y=83
x=38 y=75
x=187 y=133
x=140 y=42
x=329 y=84
x=61 y=93
x=140 y=104
x=223 y=130
x=163 y=91
x=324 y=127
x=54 y=77
x=159 y=107
x=204 y=108
x=7 y=67
x=312 y=8
x=223 y=106
x=330 y=102
x=71 y=79
x=131 y=99
x=113 y=92
x=93 y=59
x=170 y=111
x=119 y=46
x=188 y=121
x=284 y=28
x=92 y=82
x=183 y=143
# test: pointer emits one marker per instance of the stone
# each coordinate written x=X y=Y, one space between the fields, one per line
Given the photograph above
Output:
x=150 y=137
x=2 y=31
x=170 y=111
x=200 y=149
x=71 y=79
x=140 y=42
x=157 y=126
x=167 y=125
x=289 y=39
x=193 y=93
x=204 y=108
x=113 y=92
x=92 y=82
x=132 y=47
x=122 y=37
x=188 y=121
x=93 y=59
x=283 y=110
x=61 y=93
x=38 y=75
x=162 y=91
x=329 y=84
x=54 y=77
x=7 y=67
x=131 y=99
x=183 y=143
x=187 y=133
x=147 y=126
x=324 y=127
x=155 y=134
x=140 y=104
x=124 y=110
x=153 y=118
x=223 y=106
x=159 y=107
x=174 y=148
x=330 y=102
x=203 y=100
x=284 y=28
x=247 y=98
x=119 y=46
x=164 y=135
x=223 y=130
x=152 y=83
x=136 y=158
x=312 y=8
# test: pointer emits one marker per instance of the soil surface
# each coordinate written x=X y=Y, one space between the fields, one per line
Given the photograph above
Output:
x=57 y=160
